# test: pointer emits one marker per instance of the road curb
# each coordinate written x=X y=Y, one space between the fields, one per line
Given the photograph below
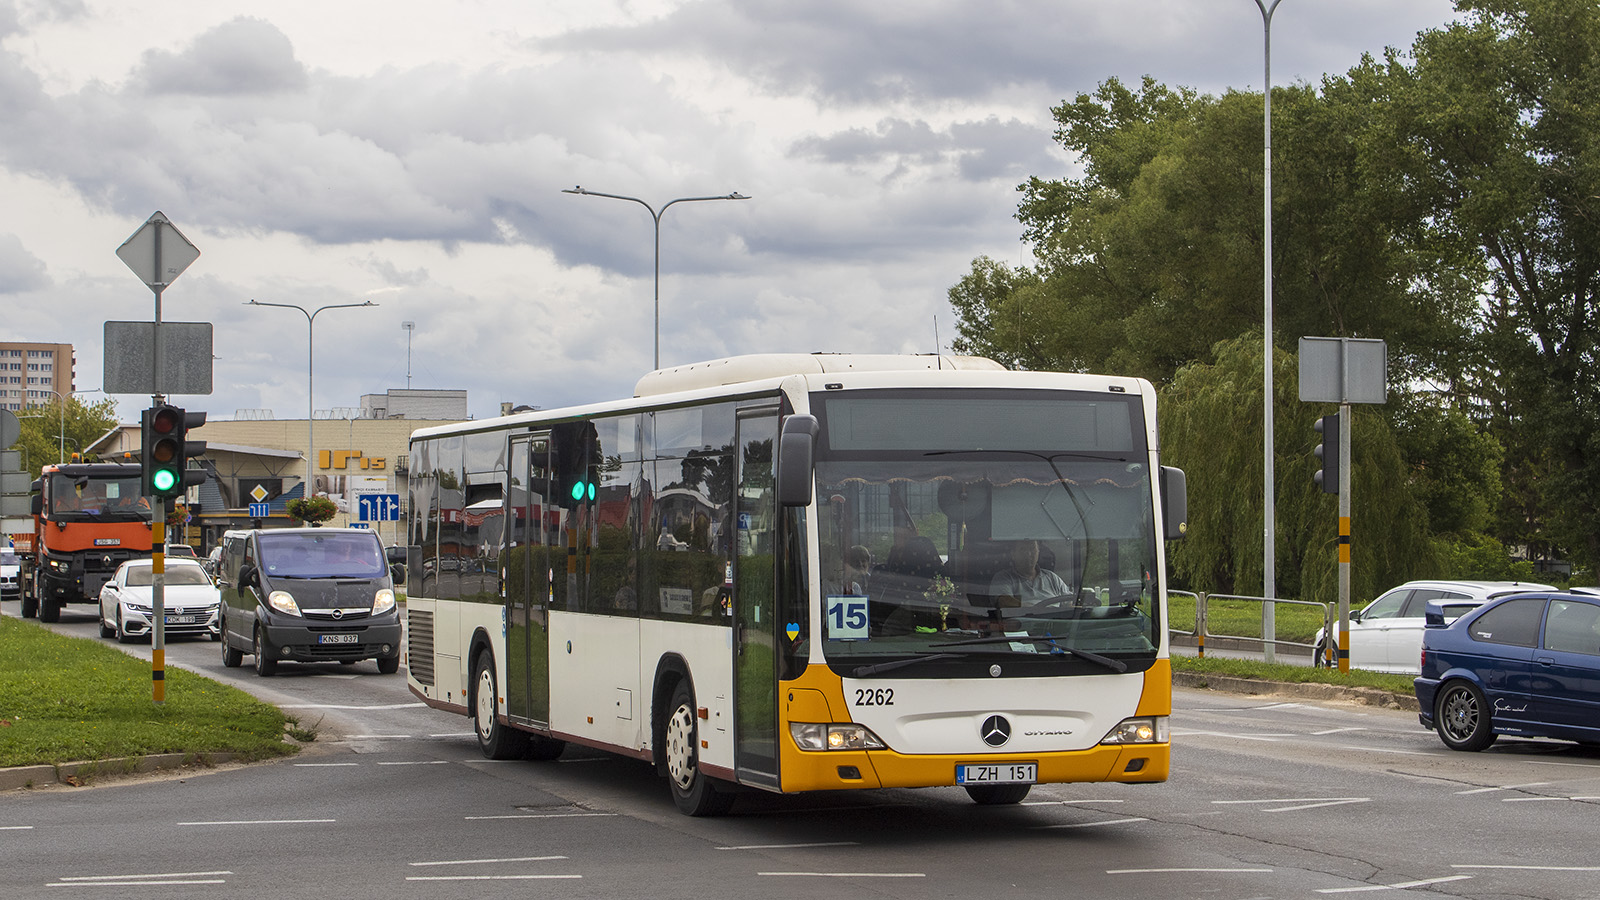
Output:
x=1364 y=695
x=78 y=774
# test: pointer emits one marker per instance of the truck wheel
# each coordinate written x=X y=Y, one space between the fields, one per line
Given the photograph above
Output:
x=30 y=604
x=49 y=609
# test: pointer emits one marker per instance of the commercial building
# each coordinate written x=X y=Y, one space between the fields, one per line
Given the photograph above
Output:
x=34 y=374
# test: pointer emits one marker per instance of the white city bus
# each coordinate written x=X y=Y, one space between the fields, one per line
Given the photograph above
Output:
x=807 y=572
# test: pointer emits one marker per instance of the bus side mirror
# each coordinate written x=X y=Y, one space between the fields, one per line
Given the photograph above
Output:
x=1174 y=502
x=796 y=451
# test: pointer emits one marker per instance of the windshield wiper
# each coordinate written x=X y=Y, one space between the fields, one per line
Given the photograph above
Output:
x=902 y=663
x=1115 y=665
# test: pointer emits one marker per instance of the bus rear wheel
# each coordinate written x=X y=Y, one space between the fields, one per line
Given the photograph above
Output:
x=997 y=794
x=695 y=792
x=496 y=740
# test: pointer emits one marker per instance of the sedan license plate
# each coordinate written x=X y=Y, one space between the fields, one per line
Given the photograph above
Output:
x=180 y=620
x=336 y=639
x=998 y=773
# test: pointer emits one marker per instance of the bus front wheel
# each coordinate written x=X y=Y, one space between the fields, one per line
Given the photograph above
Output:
x=497 y=741
x=695 y=793
x=997 y=794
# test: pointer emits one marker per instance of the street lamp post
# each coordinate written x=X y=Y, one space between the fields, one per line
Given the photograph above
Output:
x=311 y=323
x=656 y=215
x=1269 y=575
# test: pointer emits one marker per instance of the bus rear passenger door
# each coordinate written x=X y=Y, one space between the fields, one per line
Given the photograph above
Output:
x=526 y=567
x=755 y=624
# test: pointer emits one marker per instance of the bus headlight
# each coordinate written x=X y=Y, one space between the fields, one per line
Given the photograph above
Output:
x=283 y=602
x=1142 y=730
x=822 y=736
x=382 y=601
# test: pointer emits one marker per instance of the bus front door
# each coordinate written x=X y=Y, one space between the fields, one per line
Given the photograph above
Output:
x=526 y=567
x=755 y=625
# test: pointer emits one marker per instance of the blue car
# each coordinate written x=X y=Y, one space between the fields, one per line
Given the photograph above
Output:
x=1525 y=665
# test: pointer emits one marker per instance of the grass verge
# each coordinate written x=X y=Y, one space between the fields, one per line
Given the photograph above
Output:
x=1261 y=671
x=66 y=699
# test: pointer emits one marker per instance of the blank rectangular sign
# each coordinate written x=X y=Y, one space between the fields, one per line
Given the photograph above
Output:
x=1344 y=370
x=186 y=358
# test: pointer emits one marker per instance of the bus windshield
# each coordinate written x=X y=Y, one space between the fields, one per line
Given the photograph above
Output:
x=99 y=497
x=967 y=531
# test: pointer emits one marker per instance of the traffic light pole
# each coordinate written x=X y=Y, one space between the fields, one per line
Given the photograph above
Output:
x=1345 y=423
x=158 y=627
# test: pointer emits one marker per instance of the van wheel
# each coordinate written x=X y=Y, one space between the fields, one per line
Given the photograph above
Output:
x=388 y=666
x=231 y=657
x=497 y=741
x=997 y=794
x=266 y=665
x=695 y=792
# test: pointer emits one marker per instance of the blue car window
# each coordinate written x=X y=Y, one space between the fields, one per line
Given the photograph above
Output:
x=1573 y=627
x=1514 y=622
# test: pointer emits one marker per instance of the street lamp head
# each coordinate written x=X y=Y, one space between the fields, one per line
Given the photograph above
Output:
x=737 y=196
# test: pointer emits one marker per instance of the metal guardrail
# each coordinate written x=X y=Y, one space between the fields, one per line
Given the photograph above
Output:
x=1201 y=630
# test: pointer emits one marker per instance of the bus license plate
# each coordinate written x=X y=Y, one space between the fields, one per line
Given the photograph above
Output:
x=336 y=639
x=998 y=773
x=180 y=620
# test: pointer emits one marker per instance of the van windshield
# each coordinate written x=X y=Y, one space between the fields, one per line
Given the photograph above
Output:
x=332 y=555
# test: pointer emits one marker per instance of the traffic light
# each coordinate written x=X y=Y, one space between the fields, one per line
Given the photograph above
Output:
x=167 y=449
x=1327 y=453
x=573 y=445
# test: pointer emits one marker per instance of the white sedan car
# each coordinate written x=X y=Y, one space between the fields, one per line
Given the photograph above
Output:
x=1387 y=635
x=189 y=599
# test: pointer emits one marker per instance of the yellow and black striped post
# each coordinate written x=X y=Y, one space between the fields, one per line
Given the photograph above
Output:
x=158 y=568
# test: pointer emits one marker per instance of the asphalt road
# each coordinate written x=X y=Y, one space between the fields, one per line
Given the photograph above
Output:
x=1268 y=798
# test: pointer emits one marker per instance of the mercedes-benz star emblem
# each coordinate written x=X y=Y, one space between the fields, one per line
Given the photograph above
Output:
x=995 y=731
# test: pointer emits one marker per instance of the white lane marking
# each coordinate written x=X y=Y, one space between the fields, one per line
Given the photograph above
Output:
x=845 y=874
x=376 y=737
x=457 y=734
x=1066 y=802
x=1229 y=734
x=420 y=762
x=486 y=877
x=1281 y=706
x=1091 y=824
x=1506 y=787
x=1388 y=750
x=1335 y=731
x=792 y=846
x=341 y=706
x=93 y=878
x=1301 y=802
x=1534 y=799
x=125 y=884
x=1393 y=887
x=1158 y=871
x=474 y=862
x=1541 y=762
x=16 y=827
x=325 y=765
x=1530 y=868
x=540 y=816
x=264 y=822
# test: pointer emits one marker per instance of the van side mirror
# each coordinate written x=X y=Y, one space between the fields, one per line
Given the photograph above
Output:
x=397 y=573
x=1174 y=503
x=247 y=575
x=797 y=447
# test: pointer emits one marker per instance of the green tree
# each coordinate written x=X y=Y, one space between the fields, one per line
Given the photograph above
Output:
x=52 y=432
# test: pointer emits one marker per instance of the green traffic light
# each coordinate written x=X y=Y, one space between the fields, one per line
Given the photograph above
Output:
x=163 y=480
x=577 y=490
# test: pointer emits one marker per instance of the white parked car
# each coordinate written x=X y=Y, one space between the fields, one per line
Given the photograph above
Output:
x=10 y=574
x=1386 y=636
x=189 y=599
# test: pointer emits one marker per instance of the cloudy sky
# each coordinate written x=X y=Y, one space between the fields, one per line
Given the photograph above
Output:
x=414 y=154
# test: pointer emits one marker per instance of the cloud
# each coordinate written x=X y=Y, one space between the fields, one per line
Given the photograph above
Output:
x=20 y=270
x=242 y=57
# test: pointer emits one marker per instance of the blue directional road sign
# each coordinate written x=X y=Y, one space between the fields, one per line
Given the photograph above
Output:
x=260 y=510
x=379 y=507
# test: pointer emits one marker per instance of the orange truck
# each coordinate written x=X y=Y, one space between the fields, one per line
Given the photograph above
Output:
x=88 y=519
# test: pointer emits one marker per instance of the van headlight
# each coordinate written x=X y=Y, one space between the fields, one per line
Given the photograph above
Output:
x=823 y=736
x=382 y=601
x=283 y=602
x=1141 y=730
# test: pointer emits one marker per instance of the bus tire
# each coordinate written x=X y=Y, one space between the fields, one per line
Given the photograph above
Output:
x=266 y=665
x=695 y=792
x=544 y=748
x=496 y=740
x=997 y=794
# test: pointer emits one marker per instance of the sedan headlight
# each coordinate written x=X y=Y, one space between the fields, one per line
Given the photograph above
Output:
x=1142 y=730
x=283 y=602
x=382 y=601
x=822 y=736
